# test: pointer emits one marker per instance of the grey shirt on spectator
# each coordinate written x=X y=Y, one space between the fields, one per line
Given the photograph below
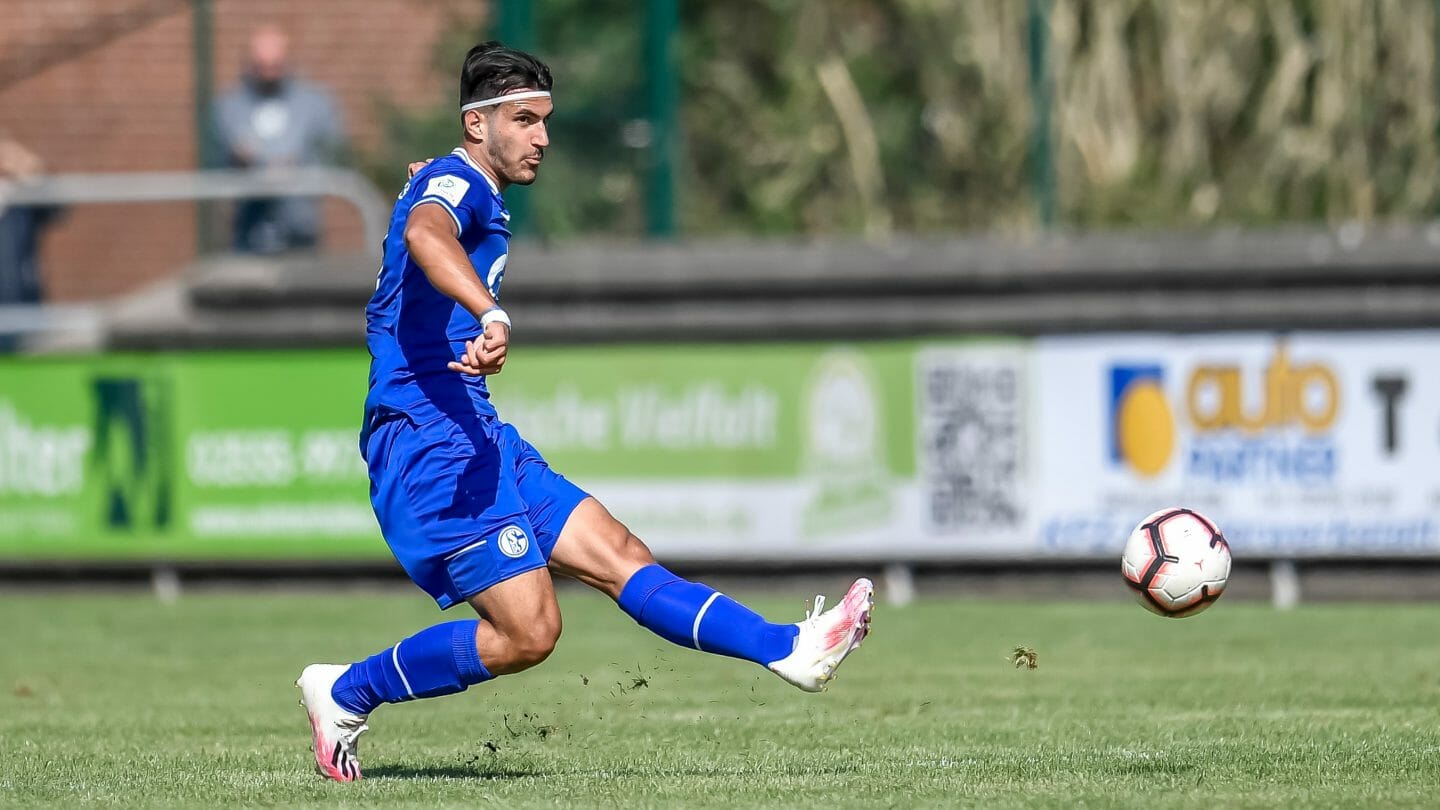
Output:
x=288 y=123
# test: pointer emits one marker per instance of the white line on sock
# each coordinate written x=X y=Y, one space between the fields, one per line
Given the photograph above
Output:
x=395 y=656
x=695 y=631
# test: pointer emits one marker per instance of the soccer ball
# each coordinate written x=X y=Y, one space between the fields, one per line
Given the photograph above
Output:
x=1177 y=562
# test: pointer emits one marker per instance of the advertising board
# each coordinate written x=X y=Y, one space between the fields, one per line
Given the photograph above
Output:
x=1313 y=444
x=1299 y=445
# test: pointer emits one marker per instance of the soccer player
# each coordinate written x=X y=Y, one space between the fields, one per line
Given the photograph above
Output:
x=469 y=508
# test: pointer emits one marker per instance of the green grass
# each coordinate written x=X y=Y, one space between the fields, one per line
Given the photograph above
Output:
x=117 y=699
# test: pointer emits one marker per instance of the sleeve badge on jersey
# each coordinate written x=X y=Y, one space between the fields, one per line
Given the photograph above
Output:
x=447 y=187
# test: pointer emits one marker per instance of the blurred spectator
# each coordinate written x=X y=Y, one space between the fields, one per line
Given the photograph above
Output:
x=20 y=227
x=272 y=119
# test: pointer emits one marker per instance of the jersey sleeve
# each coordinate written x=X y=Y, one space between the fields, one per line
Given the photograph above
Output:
x=466 y=199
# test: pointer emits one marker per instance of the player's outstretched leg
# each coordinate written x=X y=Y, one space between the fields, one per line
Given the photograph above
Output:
x=598 y=550
x=522 y=623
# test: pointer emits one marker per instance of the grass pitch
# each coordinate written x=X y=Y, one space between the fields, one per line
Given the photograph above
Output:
x=120 y=700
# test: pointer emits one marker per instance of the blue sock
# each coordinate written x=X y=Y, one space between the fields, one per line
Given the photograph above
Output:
x=697 y=616
x=439 y=660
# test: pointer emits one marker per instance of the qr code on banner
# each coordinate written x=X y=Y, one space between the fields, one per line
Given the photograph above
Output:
x=972 y=414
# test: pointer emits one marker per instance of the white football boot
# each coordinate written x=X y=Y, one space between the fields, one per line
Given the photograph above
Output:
x=827 y=637
x=336 y=730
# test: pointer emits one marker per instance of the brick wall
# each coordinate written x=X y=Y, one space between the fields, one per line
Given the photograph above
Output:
x=126 y=104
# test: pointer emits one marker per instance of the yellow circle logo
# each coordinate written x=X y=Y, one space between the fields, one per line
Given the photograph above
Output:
x=1146 y=428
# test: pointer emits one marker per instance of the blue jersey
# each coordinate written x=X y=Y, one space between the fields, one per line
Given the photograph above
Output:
x=414 y=330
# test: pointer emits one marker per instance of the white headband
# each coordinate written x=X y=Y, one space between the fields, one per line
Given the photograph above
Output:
x=524 y=95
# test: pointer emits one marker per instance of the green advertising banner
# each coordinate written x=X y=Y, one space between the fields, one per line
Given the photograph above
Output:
x=252 y=455
x=175 y=456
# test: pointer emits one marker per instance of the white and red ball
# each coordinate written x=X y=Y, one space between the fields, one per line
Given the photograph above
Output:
x=1177 y=562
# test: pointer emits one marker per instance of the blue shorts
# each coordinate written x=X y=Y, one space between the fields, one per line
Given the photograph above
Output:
x=464 y=504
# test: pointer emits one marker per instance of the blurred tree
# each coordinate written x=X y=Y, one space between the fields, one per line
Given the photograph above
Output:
x=1245 y=112
x=871 y=116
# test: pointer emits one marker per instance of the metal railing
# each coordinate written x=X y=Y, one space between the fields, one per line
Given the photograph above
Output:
x=77 y=324
x=214 y=184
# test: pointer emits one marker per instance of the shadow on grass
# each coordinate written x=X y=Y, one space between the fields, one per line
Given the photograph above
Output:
x=478 y=772
x=494 y=771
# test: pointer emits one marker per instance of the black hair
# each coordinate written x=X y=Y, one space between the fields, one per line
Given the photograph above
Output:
x=491 y=70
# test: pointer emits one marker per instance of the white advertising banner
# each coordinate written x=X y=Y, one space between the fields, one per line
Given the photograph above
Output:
x=1305 y=445
x=1310 y=444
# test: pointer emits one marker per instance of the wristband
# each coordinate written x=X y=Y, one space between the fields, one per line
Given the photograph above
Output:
x=493 y=315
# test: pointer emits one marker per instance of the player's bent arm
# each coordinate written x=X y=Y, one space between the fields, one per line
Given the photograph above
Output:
x=430 y=237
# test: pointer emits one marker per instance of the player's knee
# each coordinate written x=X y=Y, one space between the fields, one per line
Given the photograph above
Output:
x=533 y=643
x=603 y=535
x=533 y=647
x=620 y=553
x=637 y=554
x=623 y=546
